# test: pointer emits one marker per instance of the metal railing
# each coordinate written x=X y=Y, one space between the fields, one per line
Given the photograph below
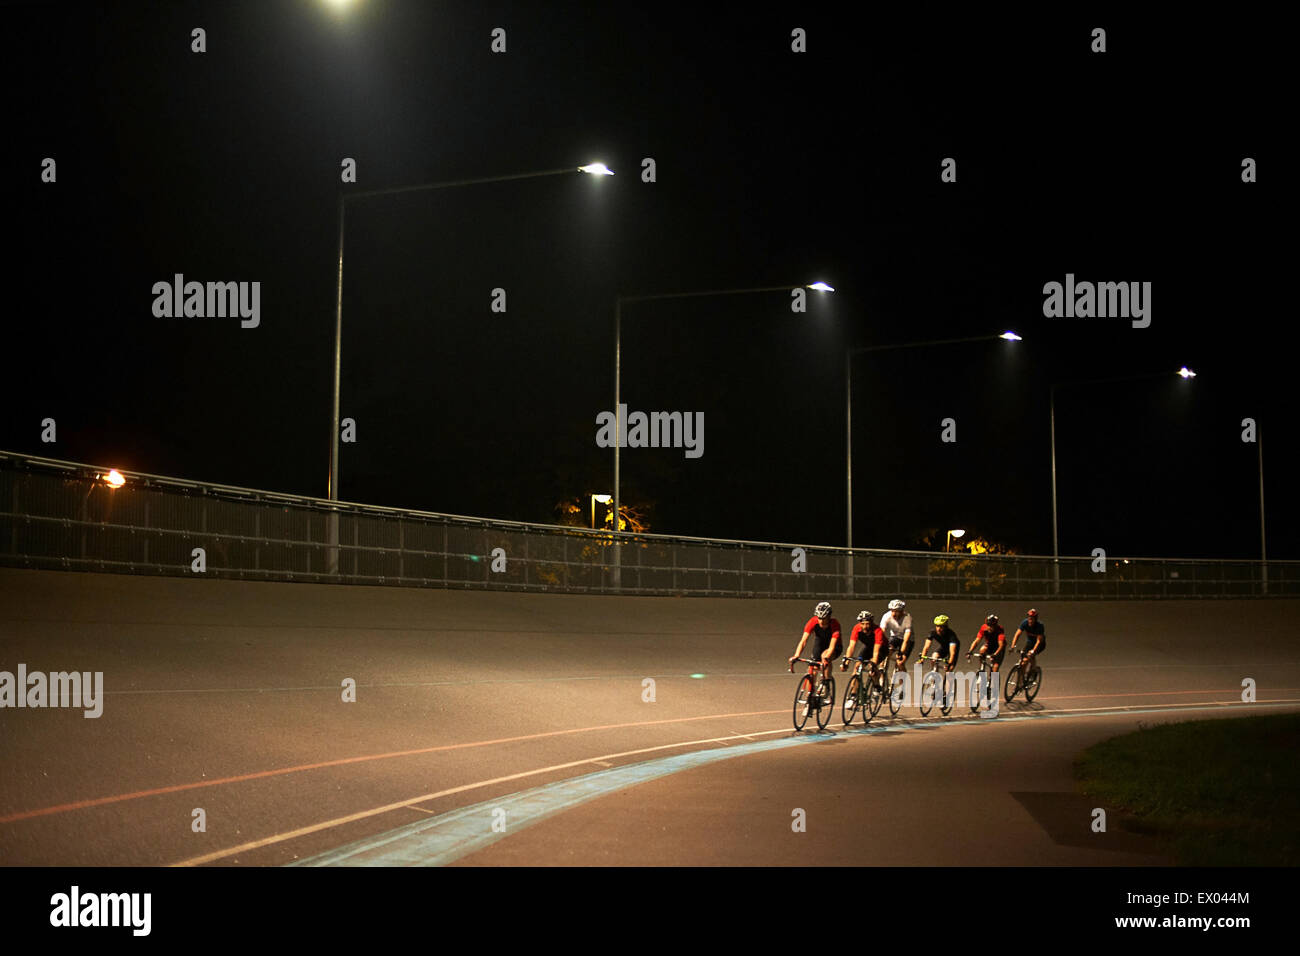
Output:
x=56 y=514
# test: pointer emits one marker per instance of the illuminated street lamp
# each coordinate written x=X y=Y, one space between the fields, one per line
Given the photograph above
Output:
x=954 y=533
x=619 y=424
x=113 y=479
x=591 y=169
x=332 y=490
x=848 y=410
x=1186 y=374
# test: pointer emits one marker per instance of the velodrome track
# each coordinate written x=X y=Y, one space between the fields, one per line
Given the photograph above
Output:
x=526 y=711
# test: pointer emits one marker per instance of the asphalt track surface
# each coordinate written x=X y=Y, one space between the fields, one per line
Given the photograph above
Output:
x=510 y=729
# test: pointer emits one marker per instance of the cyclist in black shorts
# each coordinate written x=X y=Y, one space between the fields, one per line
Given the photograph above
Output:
x=945 y=641
x=897 y=625
x=825 y=632
x=991 y=640
x=1035 y=636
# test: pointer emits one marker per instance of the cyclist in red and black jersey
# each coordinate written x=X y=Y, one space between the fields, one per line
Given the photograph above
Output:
x=871 y=637
x=825 y=632
x=991 y=640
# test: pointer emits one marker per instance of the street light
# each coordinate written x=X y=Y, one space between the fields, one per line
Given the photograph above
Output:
x=595 y=169
x=848 y=410
x=954 y=533
x=592 y=169
x=1186 y=374
x=604 y=500
x=618 y=365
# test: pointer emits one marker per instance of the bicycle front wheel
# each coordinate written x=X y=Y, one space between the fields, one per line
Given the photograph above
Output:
x=875 y=696
x=897 y=691
x=827 y=703
x=929 y=689
x=1033 y=682
x=977 y=690
x=851 y=698
x=948 y=685
x=1012 y=685
x=803 y=696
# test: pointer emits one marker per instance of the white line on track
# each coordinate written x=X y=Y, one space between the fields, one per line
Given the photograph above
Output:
x=376 y=811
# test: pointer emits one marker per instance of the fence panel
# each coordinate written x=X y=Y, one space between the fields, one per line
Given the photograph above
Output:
x=61 y=515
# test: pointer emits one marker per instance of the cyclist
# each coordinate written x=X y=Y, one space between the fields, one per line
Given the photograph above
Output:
x=897 y=625
x=944 y=639
x=825 y=632
x=866 y=633
x=1035 y=636
x=994 y=641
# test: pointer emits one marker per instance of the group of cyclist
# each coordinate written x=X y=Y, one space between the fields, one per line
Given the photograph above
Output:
x=893 y=635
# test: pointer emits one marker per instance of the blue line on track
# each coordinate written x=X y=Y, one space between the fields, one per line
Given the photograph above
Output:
x=447 y=837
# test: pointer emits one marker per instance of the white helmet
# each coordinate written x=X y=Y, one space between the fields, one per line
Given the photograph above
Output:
x=897 y=605
x=823 y=610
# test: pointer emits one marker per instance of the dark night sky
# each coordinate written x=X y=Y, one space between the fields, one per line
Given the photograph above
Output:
x=772 y=167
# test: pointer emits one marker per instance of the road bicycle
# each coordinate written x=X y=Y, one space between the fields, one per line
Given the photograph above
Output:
x=896 y=681
x=813 y=693
x=863 y=695
x=1026 y=676
x=936 y=675
x=984 y=689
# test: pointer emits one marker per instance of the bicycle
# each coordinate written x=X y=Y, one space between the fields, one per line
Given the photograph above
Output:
x=985 y=686
x=813 y=693
x=857 y=696
x=930 y=687
x=896 y=681
x=1026 y=676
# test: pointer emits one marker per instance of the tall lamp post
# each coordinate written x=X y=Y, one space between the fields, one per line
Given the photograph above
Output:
x=848 y=413
x=618 y=365
x=1263 y=547
x=593 y=169
x=1183 y=373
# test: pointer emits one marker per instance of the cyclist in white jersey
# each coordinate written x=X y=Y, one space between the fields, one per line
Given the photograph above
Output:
x=897 y=625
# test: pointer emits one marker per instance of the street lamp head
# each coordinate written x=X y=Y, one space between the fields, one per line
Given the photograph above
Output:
x=596 y=169
x=1010 y=336
x=1186 y=372
x=821 y=287
x=113 y=479
x=604 y=499
x=957 y=532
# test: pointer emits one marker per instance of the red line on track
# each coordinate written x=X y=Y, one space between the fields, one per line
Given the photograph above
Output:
x=258 y=775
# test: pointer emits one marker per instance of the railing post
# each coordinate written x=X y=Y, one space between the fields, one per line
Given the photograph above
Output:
x=332 y=541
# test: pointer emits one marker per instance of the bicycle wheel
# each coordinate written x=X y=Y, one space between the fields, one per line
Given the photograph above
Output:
x=929 y=688
x=827 y=703
x=802 y=701
x=948 y=687
x=1033 y=682
x=851 y=698
x=875 y=696
x=978 y=688
x=1012 y=685
x=897 y=691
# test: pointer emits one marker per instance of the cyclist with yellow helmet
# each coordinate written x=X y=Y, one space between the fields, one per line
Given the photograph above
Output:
x=945 y=641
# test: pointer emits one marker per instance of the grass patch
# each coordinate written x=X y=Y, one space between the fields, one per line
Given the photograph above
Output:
x=1217 y=792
